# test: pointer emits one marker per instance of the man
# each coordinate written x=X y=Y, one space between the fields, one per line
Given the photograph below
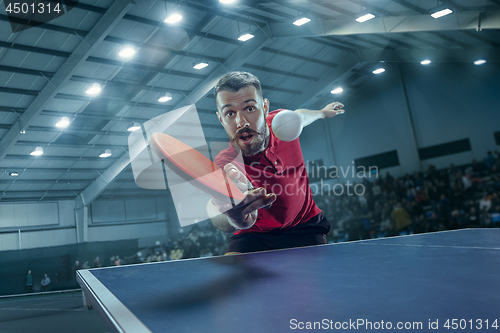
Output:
x=28 y=280
x=400 y=217
x=45 y=283
x=291 y=217
x=97 y=263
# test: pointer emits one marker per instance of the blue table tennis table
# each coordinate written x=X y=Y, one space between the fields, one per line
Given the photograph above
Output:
x=444 y=281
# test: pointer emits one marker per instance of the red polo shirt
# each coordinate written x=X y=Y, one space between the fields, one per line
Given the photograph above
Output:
x=280 y=169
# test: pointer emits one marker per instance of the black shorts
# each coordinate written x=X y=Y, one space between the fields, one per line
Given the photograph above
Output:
x=313 y=232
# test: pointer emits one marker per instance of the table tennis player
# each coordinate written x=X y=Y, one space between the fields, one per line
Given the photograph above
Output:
x=278 y=210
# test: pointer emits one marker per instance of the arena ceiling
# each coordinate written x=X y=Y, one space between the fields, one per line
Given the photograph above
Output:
x=46 y=70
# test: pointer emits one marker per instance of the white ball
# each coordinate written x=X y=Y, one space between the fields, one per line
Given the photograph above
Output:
x=287 y=125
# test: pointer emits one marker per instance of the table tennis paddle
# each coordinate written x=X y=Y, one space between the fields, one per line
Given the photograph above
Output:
x=193 y=166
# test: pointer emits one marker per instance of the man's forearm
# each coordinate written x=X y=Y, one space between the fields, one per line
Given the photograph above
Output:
x=309 y=116
x=219 y=220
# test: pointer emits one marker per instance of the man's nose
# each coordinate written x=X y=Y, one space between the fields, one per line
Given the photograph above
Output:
x=241 y=121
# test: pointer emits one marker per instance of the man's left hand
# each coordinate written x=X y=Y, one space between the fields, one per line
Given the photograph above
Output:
x=333 y=109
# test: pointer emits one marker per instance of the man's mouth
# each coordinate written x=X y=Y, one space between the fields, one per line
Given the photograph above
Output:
x=246 y=137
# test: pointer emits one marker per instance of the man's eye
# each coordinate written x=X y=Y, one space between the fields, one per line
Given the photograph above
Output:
x=251 y=108
x=229 y=113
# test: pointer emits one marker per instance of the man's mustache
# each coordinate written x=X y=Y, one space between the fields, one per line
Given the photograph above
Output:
x=244 y=130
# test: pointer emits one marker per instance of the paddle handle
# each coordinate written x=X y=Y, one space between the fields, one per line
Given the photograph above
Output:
x=250 y=187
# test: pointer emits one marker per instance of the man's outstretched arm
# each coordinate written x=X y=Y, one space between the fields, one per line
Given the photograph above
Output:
x=309 y=116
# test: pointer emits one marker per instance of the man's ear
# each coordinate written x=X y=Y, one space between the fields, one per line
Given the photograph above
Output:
x=266 y=106
x=218 y=116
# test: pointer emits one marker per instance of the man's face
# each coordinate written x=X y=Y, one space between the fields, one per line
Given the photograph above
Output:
x=243 y=116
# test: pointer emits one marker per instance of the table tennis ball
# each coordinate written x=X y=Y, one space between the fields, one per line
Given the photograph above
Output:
x=287 y=125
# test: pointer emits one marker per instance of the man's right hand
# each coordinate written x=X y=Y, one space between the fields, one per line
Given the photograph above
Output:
x=243 y=215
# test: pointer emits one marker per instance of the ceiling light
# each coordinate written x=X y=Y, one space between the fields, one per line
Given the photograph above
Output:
x=479 y=62
x=168 y=96
x=37 y=152
x=200 y=65
x=441 y=13
x=365 y=17
x=245 y=36
x=134 y=127
x=94 y=90
x=227 y=1
x=174 y=18
x=14 y=174
x=301 y=21
x=63 y=123
x=425 y=62
x=378 y=71
x=127 y=52
x=337 y=90
x=106 y=153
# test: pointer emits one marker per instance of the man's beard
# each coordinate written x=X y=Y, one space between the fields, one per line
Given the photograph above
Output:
x=261 y=137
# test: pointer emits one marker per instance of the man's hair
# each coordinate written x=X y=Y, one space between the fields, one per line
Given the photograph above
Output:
x=234 y=81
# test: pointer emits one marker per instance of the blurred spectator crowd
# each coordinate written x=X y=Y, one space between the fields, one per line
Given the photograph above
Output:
x=202 y=240
x=434 y=200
